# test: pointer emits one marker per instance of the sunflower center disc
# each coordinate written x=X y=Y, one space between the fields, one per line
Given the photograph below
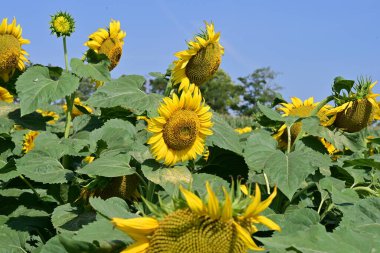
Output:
x=357 y=117
x=62 y=25
x=186 y=232
x=181 y=130
x=10 y=51
x=204 y=64
x=112 y=48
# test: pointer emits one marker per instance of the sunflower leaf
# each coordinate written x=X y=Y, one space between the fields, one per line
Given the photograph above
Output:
x=37 y=89
x=98 y=71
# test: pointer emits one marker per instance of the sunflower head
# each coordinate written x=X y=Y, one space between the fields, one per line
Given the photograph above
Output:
x=200 y=61
x=243 y=130
x=180 y=130
x=50 y=114
x=62 y=24
x=5 y=95
x=108 y=41
x=29 y=141
x=205 y=225
x=357 y=110
x=12 y=56
x=77 y=104
x=301 y=109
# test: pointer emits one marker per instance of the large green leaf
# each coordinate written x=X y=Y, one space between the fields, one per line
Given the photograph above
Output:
x=36 y=89
x=125 y=92
x=68 y=218
x=42 y=168
x=53 y=245
x=224 y=136
x=12 y=241
x=287 y=171
x=98 y=71
x=167 y=178
x=112 y=207
x=109 y=166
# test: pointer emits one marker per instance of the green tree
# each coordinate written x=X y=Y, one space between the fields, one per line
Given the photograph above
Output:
x=258 y=88
x=221 y=93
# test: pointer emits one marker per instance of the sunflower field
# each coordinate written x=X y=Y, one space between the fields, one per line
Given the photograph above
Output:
x=129 y=171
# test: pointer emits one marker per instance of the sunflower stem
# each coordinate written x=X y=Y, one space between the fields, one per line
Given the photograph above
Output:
x=289 y=138
x=69 y=103
x=267 y=182
x=30 y=186
x=321 y=204
x=320 y=105
x=367 y=189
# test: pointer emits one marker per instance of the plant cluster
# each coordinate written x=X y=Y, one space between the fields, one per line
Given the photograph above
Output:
x=130 y=171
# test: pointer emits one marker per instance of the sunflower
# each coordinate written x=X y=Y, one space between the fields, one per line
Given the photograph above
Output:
x=5 y=95
x=109 y=42
x=329 y=147
x=301 y=109
x=200 y=61
x=12 y=56
x=51 y=114
x=62 y=24
x=76 y=112
x=29 y=141
x=354 y=115
x=196 y=225
x=180 y=130
x=243 y=130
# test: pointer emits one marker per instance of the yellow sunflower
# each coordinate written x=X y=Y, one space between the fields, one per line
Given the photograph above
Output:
x=200 y=61
x=29 y=141
x=301 y=109
x=355 y=115
x=109 y=42
x=204 y=226
x=243 y=130
x=12 y=56
x=180 y=130
x=51 y=114
x=76 y=112
x=62 y=24
x=5 y=95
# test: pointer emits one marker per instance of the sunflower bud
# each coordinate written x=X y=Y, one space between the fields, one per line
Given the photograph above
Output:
x=62 y=24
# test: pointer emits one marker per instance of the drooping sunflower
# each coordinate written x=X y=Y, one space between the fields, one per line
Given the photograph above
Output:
x=301 y=109
x=109 y=42
x=5 y=95
x=361 y=109
x=200 y=61
x=180 y=130
x=51 y=114
x=76 y=112
x=243 y=130
x=12 y=56
x=29 y=141
x=196 y=225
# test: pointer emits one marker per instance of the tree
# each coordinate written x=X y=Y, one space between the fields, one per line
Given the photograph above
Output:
x=258 y=88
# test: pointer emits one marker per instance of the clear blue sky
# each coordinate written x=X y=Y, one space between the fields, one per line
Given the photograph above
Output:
x=307 y=42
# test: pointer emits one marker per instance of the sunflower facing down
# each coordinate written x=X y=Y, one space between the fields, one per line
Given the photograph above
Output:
x=200 y=61
x=353 y=116
x=109 y=42
x=203 y=226
x=51 y=114
x=12 y=56
x=180 y=130
x=301 y=109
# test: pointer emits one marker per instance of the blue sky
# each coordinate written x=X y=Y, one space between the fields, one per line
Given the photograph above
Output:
x=307 y=42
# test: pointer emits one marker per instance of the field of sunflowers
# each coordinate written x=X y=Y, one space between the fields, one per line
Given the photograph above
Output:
x=127 y=171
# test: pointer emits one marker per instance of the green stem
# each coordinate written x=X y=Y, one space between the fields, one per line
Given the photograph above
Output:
x=367 y=189
x=321 y=204
x=168 y=89
x=321 y=104
x=267 y=182
x=329 y=208
x=289 y=138
x=65 y=54
x=30 y=186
